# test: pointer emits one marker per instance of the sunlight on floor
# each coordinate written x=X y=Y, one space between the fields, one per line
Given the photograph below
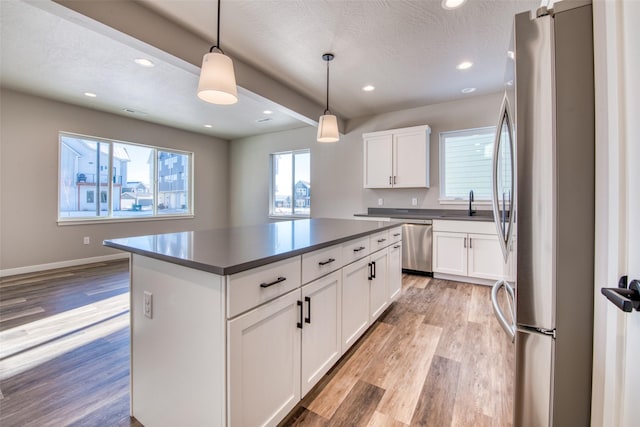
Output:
x=26 y=346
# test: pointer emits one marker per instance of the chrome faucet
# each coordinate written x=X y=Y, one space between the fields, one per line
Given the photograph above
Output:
x=471 y=211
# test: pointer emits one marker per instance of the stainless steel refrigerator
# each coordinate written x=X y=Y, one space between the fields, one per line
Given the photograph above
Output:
x=544 y=210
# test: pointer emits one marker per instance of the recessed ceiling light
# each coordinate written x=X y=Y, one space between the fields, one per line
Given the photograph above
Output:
x=511 y=54
x=452 y=4
x=144 y=62
x=208 y=126
x=267 y=112
x=368 y=88
x=90 y=94
x=465 y=65
x=468 y=89
x=510 y=83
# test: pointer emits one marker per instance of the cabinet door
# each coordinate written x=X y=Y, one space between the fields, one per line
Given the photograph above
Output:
x=450 y=253
x=264 y=363
x=485 y=258
x=395 y=271
x=411 y=159
x=321 y=344
x=379 y=284
x=355 y=301
x=377 y=161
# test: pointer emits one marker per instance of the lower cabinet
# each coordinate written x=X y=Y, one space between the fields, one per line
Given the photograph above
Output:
x=395 y=271
x=469 y=254
x=355 y=301
x=378 y=284
x=264 y=362
x=321 y=329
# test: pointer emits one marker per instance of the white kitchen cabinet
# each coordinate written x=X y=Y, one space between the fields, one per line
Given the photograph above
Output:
x=264 y=362
x=321 y=329
x=470 y=249
x=355 y=301
x=395 y=271
x=378 y=284
x=449 y=253
x=397 y=158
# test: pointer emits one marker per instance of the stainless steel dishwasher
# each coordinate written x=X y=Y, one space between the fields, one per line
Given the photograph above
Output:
x=416 y=246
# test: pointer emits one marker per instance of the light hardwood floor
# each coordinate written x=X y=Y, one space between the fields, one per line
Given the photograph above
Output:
x=436 y=357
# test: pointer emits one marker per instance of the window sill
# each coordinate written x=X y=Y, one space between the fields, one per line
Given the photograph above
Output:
x=88 y=221
x=464 y=202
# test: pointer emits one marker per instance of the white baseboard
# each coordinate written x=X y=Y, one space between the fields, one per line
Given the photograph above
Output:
x=53 y=265
x=466 y=279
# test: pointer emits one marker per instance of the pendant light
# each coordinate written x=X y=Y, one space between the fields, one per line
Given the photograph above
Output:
x=217 y=83
x=328 y=123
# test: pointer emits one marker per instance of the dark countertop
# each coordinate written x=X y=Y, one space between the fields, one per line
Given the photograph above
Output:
x=420 y=214
x=232 y=250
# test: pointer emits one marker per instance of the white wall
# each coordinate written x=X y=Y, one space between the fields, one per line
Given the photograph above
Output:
x=29 y=129
x=336 y=169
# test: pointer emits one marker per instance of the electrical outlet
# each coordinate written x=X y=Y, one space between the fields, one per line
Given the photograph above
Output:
x=148 y=304
x=380 y=202
x=86 y=240
x=414 y=201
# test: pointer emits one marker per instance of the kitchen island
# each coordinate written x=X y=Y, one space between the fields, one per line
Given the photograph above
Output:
x=234 y=326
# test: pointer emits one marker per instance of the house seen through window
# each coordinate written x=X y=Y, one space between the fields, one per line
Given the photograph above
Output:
x=465 y=164
x=100 y=178
x=291 y=183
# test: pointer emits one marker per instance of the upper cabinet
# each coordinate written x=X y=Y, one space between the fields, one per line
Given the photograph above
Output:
x=397 y=158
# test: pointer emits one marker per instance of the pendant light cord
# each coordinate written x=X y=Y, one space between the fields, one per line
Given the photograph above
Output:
x=217 y=45
x=327 y=109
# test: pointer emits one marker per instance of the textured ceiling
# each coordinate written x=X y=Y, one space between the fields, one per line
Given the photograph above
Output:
x=407 y=49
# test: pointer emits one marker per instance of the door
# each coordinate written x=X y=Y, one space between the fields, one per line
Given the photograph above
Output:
x=378 y=285
x=450 y=253
x=355 y=301
x=321 y=328
x=617 y=334
x=410 y=159
x=485 y=258
x=395 y=271
x=264 y=362
x=378 y=162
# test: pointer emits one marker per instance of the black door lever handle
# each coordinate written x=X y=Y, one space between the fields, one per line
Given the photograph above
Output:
x=625 y=299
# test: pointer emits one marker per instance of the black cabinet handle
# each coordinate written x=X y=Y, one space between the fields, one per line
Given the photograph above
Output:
x=299 y=324
x=308 y=318
x=370 y=271
x=275 y=282
x=359 y=249
x=625 y=299
x=396 y=235
x=382 y=240
x=373 y=264
x=329 y=261
x=396 y=246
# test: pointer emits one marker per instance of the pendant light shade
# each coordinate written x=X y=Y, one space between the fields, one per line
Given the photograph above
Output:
x=328 y=129
x=217 y=83
x=328 y=123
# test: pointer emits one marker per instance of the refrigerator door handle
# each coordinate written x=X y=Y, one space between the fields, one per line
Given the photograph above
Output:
x=508 y=327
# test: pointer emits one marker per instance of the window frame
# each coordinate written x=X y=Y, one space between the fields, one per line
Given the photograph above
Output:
x=442 y=169
x=291 y=215
x=155 y=216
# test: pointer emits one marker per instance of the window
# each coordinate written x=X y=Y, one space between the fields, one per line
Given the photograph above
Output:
x=133 y=181
x=291 y=184
x=465 y=164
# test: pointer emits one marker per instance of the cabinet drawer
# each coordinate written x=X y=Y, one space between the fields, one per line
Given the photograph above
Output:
x=379 y=240
x=253 y=287
x=355 y=249
x=395 y=235
x=323 y=261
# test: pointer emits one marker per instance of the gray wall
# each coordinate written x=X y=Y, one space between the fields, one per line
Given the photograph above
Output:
x=336 y=169
x=29 y=129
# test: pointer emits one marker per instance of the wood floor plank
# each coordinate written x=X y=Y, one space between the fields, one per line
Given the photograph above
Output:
x=438 y=395
x=382 y=420
x=358 y=407
x=403 y=388
x=304 y=417
x=452 y=343
x=347 y=374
